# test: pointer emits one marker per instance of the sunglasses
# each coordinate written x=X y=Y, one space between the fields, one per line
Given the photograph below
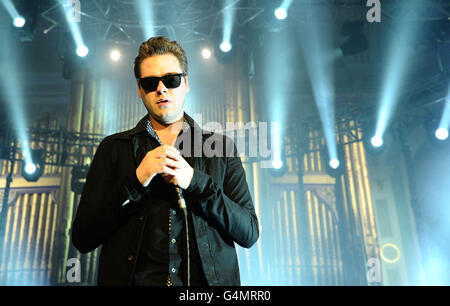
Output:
x=150 y=84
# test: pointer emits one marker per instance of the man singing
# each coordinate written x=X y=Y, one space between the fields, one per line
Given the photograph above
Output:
x=163 y=214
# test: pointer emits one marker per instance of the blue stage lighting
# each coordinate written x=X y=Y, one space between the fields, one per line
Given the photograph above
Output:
x=19 y=22
x=228 y=21
x=30 y=168
x=376 y=141
x=334 y=163
x=145 y=11
x=75 y=30
x=441 y=133
x=402 y=44
x=115 y=55
x=225 y=46
x=277 y=163
x=316 y=42
x=12 y=90
x=333 y=167
x=82 y=51
x=206 y=53
x=33 y=166
x=280 y=13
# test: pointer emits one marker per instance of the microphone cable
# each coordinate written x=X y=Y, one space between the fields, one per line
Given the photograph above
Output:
x=182 y=204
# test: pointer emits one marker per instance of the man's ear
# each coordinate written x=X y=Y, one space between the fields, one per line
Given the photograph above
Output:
x=139 y=89
x=187 y=83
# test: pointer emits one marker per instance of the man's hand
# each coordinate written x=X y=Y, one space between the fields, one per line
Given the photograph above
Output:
x=183 y=173
x=168 y=162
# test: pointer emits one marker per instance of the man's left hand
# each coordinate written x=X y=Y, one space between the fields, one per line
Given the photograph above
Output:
x=183 y=173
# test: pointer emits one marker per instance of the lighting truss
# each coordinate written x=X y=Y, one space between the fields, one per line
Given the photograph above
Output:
x=118 y=21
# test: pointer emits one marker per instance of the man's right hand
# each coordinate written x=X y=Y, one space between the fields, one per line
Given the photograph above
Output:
x=157 y=161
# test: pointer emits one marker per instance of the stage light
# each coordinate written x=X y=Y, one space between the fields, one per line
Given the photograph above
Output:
x=225 y=46
x=32 y=165
x=30 y=168
x=334 y=163
x=82 y=51
x=277 y=163
x=442 y=130
x=437 y=134
x=115 y=55
x=74 y=27
x=376 y=141
x=19 y=22
x=206 y=53
x=280 y=13
x=441 y=133
x=374 y=144
x=333 y=166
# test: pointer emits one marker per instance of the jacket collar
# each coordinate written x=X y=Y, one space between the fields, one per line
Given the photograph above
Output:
x=142 y=124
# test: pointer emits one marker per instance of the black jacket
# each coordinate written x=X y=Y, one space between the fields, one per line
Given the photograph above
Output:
x=218 y=198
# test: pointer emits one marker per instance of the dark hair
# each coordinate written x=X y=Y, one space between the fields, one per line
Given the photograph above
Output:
x=158 y=46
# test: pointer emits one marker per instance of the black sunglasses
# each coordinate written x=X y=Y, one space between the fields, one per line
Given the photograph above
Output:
x=149 y=84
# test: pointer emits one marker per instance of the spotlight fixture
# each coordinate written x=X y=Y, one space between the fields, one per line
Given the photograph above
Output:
x=277 y=164
x=278 y=167
x=333 y=166
x=334 y=163
x=82 y=51
x=373 y=143
x=32 y=170
x=437 y=134
x=25 y=15
x=206 y=53
x=223 y=51
x=19 y=22
x=225 y=46
x=376 y=141
x=441 y=133
x=115 y=55
x=280 y=13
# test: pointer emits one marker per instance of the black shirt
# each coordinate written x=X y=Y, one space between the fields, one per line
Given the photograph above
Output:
x=162 y=258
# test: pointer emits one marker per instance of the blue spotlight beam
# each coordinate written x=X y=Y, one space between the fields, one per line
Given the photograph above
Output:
x=445 y=119
x=12 y=92
x=278 y=104
x=75 y=30
x=286 y=4
x=402 y=44
x=9 y=6
x=316 y=44
x=145 y=10
x=228 y=18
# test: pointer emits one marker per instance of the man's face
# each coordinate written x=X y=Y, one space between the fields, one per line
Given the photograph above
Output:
x=164 y=104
